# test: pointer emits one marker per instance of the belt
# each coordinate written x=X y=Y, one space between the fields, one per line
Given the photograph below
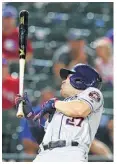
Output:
x=60 y=143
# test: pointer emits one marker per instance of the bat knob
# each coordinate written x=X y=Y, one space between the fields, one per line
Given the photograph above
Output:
x=20 y=115
x=24 y=13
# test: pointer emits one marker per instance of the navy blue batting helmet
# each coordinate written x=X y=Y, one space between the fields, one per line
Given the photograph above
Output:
x=82 y=77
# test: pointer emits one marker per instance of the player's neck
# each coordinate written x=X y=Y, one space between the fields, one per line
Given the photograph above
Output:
x=75 y=92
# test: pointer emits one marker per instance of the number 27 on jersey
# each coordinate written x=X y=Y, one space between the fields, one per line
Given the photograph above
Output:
x=75 y=121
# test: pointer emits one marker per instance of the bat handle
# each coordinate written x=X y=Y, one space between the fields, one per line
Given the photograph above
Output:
x=20 y=113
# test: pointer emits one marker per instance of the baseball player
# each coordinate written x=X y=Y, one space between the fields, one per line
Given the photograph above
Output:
x=71 y=130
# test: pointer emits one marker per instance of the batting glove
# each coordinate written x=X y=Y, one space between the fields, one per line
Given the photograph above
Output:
x=48 y=107
x=27 y=106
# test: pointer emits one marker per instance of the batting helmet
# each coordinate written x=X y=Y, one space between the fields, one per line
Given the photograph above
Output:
x=82 y=77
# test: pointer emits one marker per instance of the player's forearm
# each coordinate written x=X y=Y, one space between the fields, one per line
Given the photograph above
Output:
x=64 y=108
x=72 y=108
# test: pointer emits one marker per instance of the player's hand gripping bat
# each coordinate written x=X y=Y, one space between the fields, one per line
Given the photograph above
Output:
x=23 y=34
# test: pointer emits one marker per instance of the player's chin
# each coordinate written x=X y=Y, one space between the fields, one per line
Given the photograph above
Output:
x=62 y=93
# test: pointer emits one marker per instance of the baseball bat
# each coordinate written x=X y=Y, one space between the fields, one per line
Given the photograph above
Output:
x=23 y=34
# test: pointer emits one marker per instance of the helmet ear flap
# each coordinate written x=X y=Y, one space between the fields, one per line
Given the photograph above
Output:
x=78 y=80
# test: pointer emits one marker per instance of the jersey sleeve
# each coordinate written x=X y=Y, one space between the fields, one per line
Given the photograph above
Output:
x=93 y=97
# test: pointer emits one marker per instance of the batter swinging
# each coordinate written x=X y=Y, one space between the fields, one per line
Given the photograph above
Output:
x=69 y=134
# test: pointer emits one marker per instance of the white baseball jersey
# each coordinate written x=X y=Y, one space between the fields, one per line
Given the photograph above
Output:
x=78 y=129
x=82 y=130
